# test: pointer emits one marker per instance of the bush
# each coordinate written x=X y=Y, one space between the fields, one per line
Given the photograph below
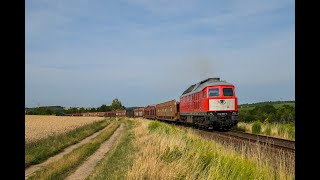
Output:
x=268 y=129
x=290 y=130
x=281 y=130
x=256 y=127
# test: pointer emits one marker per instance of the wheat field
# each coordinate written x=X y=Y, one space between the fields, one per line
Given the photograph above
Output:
x=39 y=126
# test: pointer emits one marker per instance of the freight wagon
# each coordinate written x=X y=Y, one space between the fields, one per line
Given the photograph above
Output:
x=115 y=113
x=150 y=112
x=168 y=111
x=138 y=112
x=98 y=114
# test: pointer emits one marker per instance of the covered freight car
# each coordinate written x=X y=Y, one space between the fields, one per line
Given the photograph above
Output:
x=110 y=114
x=116 y=113
x=168 y=111
x=150 y=112
x=138 y=112
x=120 y=113
x=99 y=114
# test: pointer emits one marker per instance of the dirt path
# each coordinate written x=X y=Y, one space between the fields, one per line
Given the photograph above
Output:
x=32 y=169
x=88 y=166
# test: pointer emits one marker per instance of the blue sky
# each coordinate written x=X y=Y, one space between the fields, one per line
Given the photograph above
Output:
x=86 y=53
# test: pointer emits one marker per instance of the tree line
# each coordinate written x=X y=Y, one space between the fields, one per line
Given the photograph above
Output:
x=268 y=113
x=264 y=103
x=58 y=110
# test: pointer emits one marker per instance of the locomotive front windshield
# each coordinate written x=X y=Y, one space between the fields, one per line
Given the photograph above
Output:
x=227 y=92
x=213 y=92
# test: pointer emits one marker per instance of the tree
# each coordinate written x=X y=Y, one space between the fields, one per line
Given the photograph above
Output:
x=49 y=111
x=269 y=109
x=103 y=108
x=116 y=105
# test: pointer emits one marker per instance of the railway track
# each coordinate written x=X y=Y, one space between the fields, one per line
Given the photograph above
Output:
x=273 y=142
x=266 y=141
x=241 y=137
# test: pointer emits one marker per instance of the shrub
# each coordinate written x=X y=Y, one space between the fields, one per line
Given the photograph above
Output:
x=256 y=127
x=290 y=130
x=268 y=129
x=281 y=130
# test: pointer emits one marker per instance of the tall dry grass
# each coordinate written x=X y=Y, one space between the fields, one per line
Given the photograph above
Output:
x=170 y=153
x=285 y=131
x=38 y=127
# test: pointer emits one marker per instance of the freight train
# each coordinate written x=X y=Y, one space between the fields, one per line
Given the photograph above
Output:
x=210 y=104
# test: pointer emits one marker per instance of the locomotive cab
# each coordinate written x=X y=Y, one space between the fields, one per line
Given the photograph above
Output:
x=211 y=104
x=222 y=106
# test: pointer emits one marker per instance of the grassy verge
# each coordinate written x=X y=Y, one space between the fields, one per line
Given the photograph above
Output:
x=119 y=159
x=39 y=151
x=61 y=168
x=167 y=152
x=285 y=131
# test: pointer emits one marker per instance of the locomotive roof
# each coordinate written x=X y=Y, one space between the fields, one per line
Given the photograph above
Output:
x=207 y=82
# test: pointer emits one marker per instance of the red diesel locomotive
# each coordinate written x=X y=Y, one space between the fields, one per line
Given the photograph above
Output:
x=210 y=103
